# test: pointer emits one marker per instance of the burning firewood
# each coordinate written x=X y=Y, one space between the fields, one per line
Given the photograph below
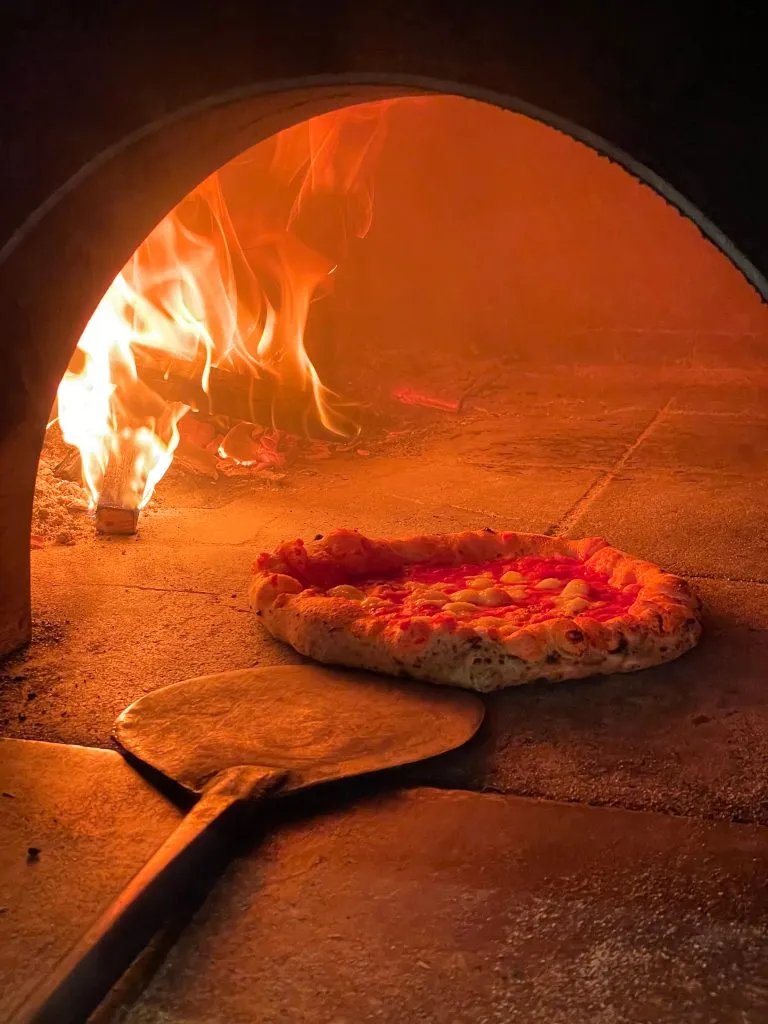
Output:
x=188 y=455
x=70 y=467
x=114 y=512
x=238 y=396
x=230 y=394
x=234 y=431
x=196 y=460
x=410 y=396
x=117 y=521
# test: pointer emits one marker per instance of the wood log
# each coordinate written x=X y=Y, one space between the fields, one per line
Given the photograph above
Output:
x=114 y=513
x=116 y=521
x=196 y=460
x=239 y=396
x=70 y=467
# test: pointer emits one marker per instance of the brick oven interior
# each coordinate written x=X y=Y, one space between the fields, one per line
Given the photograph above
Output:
x=576 y=359
x=608 y=367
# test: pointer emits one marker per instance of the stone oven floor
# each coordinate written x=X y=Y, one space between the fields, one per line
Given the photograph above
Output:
x=397 y=903
x=675 y=471
x=410 y=906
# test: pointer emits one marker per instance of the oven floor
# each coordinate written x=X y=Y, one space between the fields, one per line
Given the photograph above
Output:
x=418 y=906
x=675 y=470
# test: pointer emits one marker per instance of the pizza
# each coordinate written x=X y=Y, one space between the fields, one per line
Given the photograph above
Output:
x=482 y=610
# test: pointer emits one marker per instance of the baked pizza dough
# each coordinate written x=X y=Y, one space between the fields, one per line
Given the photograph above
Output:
x=482 y=610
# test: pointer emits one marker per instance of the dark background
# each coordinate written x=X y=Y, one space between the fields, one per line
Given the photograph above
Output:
x=681 y=92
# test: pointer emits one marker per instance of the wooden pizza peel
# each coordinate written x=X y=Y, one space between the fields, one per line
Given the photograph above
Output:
x=234 y=740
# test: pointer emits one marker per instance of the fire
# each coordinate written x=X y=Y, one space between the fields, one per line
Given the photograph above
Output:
x=194 y=299
x=99 y=412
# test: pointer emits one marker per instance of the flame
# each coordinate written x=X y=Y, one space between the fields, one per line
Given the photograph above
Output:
x=96 y=413
x=192 y=296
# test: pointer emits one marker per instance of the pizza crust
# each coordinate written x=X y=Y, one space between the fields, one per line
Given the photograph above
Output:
x=289 y=594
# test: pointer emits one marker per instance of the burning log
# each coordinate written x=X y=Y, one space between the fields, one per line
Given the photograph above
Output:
x=410 y=396
x=69 y=468
x=230 y=394
x=116 y=521
x=196 y=460
x=156 y=397
x=239 y=396
x=114 y=514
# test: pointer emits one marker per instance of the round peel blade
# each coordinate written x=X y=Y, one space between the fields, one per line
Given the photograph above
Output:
x=320 y=723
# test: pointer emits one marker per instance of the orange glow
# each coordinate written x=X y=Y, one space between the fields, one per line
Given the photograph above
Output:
x=190 y=293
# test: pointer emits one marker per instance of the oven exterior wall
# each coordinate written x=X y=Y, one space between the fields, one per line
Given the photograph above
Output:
x=111 y=115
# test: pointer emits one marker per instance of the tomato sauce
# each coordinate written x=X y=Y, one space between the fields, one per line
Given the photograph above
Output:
x=605 y=601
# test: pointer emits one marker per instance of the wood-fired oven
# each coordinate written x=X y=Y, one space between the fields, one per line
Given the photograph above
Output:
x=409 y=268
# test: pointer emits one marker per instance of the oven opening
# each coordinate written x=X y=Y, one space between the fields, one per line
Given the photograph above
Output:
x=413 y=315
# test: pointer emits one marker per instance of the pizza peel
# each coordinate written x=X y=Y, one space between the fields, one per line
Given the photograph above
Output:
x=233 y=740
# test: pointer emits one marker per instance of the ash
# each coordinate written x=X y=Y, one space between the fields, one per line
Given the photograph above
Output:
x=60 y=512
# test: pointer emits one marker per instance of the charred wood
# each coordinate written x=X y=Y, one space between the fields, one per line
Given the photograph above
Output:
x=70 y=467
x=239 y=396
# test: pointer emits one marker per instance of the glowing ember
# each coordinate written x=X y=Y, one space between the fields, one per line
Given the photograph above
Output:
x=409 y=396
x=191 y=294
